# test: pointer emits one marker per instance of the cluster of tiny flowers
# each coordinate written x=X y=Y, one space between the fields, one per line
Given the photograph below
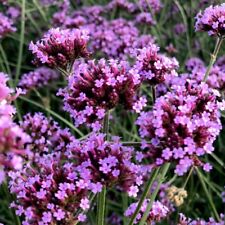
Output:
x=154 y=67
x=6 y=25
x=179 y=28
x=212 y=20
x=106 y=164
x=183 y=125
x=183 y=220
x=49 y=192
x=157 y=213
x=114 y=38
x=152 y=5
x=145 y=18
x=96 y=87
x=12 y=137
x=121 y=4
x=38 y=78
x=46 y=135
x=59 y=48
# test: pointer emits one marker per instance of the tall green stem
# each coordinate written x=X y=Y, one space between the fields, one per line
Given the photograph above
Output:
x=207 y=194
x=162 y=175
x=145 y=193
x=22 y=32
x=101 y=199
x=213 y=57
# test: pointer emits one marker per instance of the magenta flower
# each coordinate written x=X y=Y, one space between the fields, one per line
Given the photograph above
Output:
x=153 y=5
x=59 y=48
x=47 y=192
x=154 y=67
x=183 y=125
x=212 y=20
x=156 y=214
x=46 y=135
x=145 y=18
x=37 y=79
x=106 y=164
x=96 y=87
x=6 y=25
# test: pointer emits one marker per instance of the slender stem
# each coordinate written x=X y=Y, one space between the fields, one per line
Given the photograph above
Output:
x=102 y=195
x=22 y=32
x=145 y=193
x=188 y=177
x=213 y=57
x=153 y=94
x=101 y=207
x=207 y=194
x=164 y=169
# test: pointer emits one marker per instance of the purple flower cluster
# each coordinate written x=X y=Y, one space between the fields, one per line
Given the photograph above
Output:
x=6 y=25
x=59 y=48
x=152 y=5
x=212 y=20
x=145 y=18
x=121 y=4
x=37 y=79
x=114 y=38
x=155 y=67
x=12 y=137
x=46 y=135
x=179 y=28
x=96 y=87
x=106 y=164
x=49 y=192
x=157 y=213
x=183 y=125
x=183 y=220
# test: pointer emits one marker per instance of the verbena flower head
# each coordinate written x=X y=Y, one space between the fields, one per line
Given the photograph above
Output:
x=145 y=18
x=152 y=5
x=46 y=135
x=157 y=213
x=121 y=4
x=107 y=164
x=179 y=28
x=12 y=137
x=59 y=48
x=48 y=192
x=154 y=67
x=38 y=78
x=183 y=220
x=114 y=38
x=183 y=125
x=6 y=25
x=96 y=87
x=212 y=20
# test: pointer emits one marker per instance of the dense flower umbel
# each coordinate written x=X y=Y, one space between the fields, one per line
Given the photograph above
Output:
x=145 y=18
x=212 y=20
x=49 y=192
x=121 y=4
x=107 y=164
x=96 y=87
x=46 y=135
x=37 y=79
x=183 y=220
x=59 y=48
x=12 y=137
x=152 y=5
x=157 y=213
x=6 y=25
x=182 y=126
x=154 y=67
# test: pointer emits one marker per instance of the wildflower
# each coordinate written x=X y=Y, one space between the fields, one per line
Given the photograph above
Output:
x=154 y=67
x=145 y=18
x=176 y=195
x=59 y=48
x=6 y=25
x=212 y=20
x=106 y=164
x=96 y=87
x=37 y=78
x=183 y=125
x=157 y=213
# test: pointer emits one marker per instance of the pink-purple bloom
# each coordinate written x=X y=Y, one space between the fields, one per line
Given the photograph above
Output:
x=212 y=20
x=60 y=48
x=6 y=25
